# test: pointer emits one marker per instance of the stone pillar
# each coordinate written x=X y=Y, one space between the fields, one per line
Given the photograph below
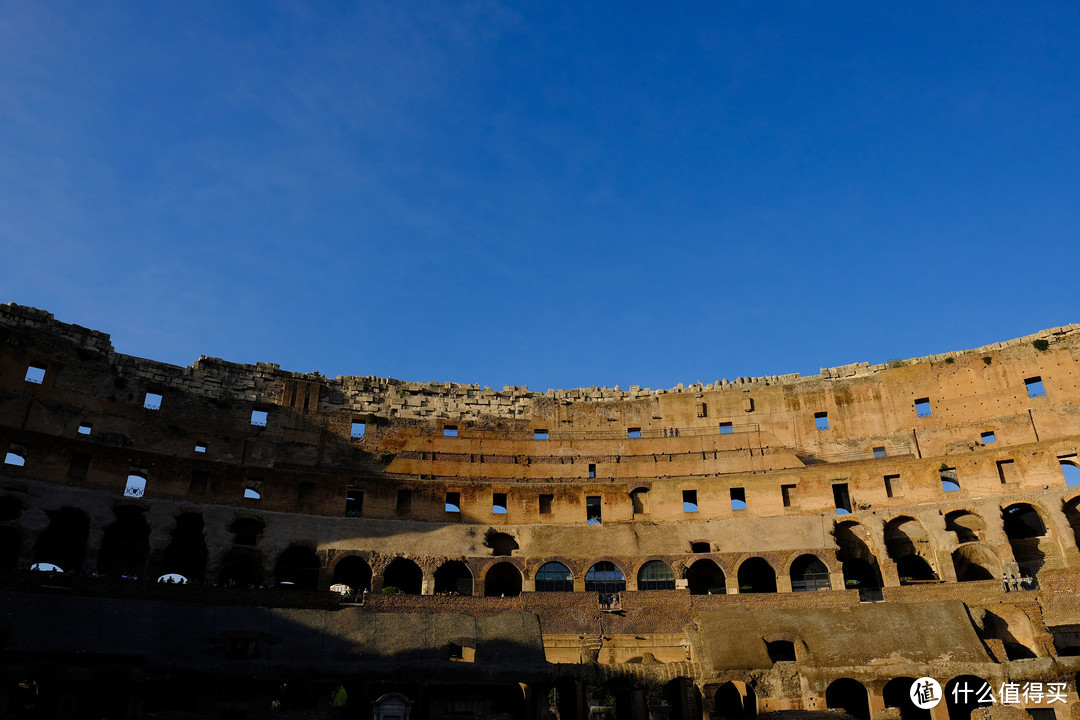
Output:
x=783 y=582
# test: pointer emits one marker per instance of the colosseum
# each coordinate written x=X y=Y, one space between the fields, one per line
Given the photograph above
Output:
x=240 y=541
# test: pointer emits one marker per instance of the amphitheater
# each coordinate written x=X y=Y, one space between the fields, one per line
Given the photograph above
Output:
x=240 y=541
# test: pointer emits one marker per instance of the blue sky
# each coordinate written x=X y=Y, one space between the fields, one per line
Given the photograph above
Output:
x=542 y=194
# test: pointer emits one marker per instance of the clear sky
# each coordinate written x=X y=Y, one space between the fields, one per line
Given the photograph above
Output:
x=542 y=193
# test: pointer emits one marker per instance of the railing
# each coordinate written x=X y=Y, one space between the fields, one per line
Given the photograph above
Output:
x=569 y=435
x=871 y=595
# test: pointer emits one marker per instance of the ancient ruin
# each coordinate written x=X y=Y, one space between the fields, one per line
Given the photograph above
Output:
x=240 y=541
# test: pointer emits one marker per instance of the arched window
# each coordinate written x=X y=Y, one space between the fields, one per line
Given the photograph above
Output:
x=405 y=575
x=605 y=577
x=453 y=578
x=502 y=580
x=809 y=574
x=354 y=572
x=850 y=696
x=1022 y=521
x=897 y=694
x=1071 y=471
x=705 y=577
x=554 y=577
x=655 y=575
x=186 y=554
x=756 y=576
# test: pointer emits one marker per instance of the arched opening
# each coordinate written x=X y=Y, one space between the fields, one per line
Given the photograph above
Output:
x=241 y=567
x=10 y=508
x=64 y=541
x=966 y=693
x=734 y=701
x=10 y=547
x=908 y=544
x=453 y=578
x=126 y=544
x=756 y=576
x=974 y=562
x=554 y=577
x=405 y=575
x=809 y=574
x=186 y=554
x=246 y=530
x=968 y=526
x=639 y=501
x=298 y=567
x=354 y=572
x=705 y=577
x=857 y=561
x=1072 y=514
x=897 y=694
x=605 y=577
x=1071 y=473
x=680 y=699
x=1024 y=528
x=1022 y=521
x=655 y=575
x=392 y=706
x=850 y=696
x=502 y=580
x=781 y=651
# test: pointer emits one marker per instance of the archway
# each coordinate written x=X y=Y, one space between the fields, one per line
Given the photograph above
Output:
x=1022 y=521
x=246 y=530
x=241 y=567
x=975 y=561
x=298 y=567
x=502 y=580
x=1071 y=509
x=405 y=575
x=63 y=542
x=453 y=578
x=809 y=574
x=126 y=544
x=554 y=577
x=850 y=696
x=966 y=693
x=756 y=576
x=858 y=562
x=605 y=577
x=354 y=572
x=897 y=694
x=913 y=569
x=908 y=544
x=186 y=554
x=10 y=547
x=734 y=701
x=655 y=575
x=705 y=577
x=967 y=526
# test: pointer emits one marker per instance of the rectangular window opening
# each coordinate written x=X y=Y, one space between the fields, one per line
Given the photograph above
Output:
x=199 y=480
x=453 y=502
x=633 y=433
x=702 y=410
x=592 y=470
x=1035 y=386
x=700 y=546
x=949 y=481
x=821 y=420
x=449 y=431
x=35 y=374
x=259 y=417
x=498 y=503
x=135 y=487
x=404 y=500
x=152 y=401
x=1007 y=471
x=357 y=430
x=726 y=428
x=545 y=504
x=841 y=498
x=253 y=489
x=592 y=510
x=922 y=407
x=85 y=428
x=14 y=458
x=787 y=492
x=540 y=434
x=354 y=502
x=689 y=501
x=305 y=493
x=738 y=498
x=988 y=437
x=893 y=487
x=879 y=452
x=200 y=447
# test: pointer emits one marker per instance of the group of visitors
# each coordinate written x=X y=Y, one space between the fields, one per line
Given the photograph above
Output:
x=1017 y=582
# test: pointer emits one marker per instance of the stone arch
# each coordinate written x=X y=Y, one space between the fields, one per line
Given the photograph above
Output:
x=453 y=578
x=909 y=546
x=1071 y=510
x=606 y=577
x=241 y=567
x=554 y=576
x=503 y=579
x=298 y=567
x=967 y=701
x=756 y=575
x=858 y=562
x=63 y=543
x=976 y=561
x=897 y=694
x=705 y=577
x=639 y=500
x=808 y=574
x=655 y=575
x=125 y=547
x=246 y=530
x=405 y=575
x=967 y=525
x=1024 y=527
x=354 y=571
x=187 y=553
x=734 y=700
x=850 y=696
